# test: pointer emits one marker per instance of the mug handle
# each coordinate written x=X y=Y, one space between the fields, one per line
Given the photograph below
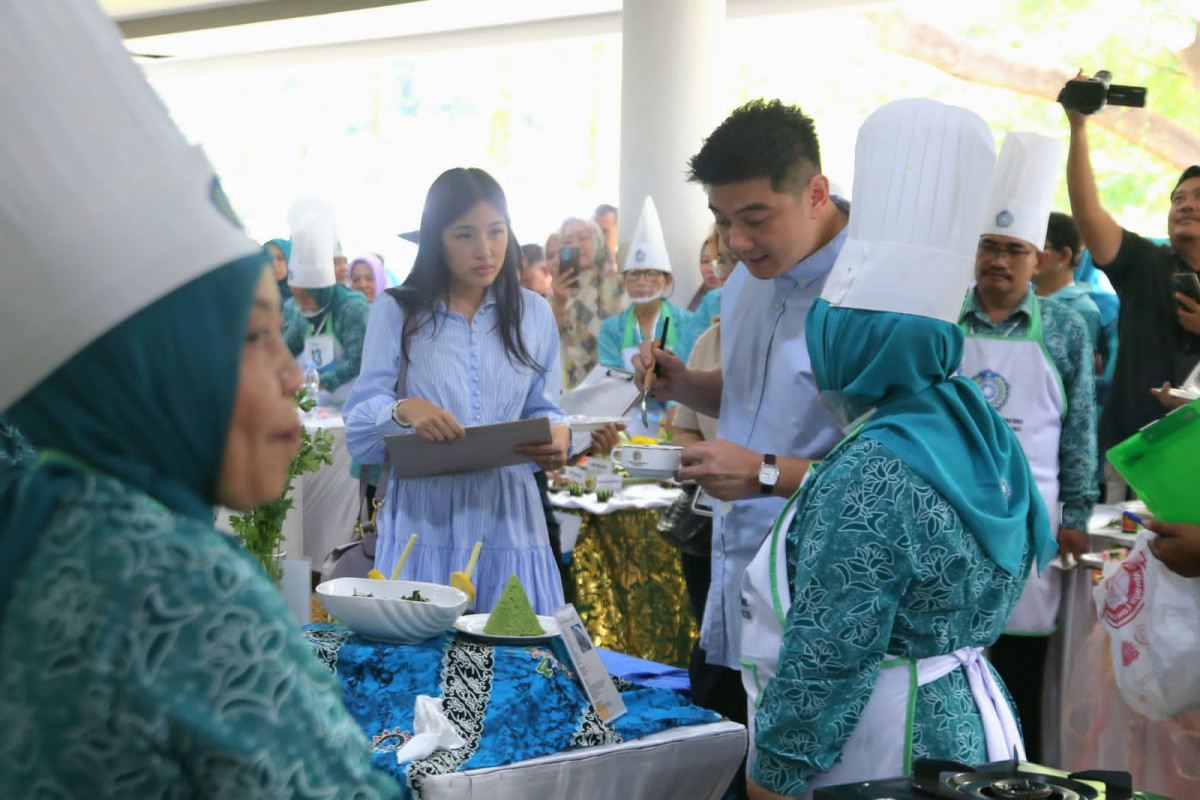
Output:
x=614 y=456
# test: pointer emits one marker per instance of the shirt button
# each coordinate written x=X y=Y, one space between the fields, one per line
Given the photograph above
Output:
x=751 y=408
x=778 y=306
x=718 y=555
x=803 y=282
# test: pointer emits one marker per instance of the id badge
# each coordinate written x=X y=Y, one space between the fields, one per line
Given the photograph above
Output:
x=319 y=350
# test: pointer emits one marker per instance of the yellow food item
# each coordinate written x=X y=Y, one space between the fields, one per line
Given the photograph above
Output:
x=643 y=440
x=513 y=615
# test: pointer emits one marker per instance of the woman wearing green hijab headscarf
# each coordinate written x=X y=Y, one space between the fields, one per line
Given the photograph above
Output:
x=903 y=554
x=145 y=653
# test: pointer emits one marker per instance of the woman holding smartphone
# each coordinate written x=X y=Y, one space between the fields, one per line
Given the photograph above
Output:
x=583 y=296
x=468 y=347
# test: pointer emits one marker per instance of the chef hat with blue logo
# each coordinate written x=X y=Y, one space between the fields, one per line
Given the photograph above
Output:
x=922 y=171
x=1023 y=190
x=104 y=206
x=648 y=248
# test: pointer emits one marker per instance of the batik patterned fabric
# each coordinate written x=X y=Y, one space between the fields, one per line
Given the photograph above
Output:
x=15 y=451
x=508 y=703
x=880 y=565
x=147 y=655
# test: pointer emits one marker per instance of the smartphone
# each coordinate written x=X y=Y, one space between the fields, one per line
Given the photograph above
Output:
x=703 y=503
x=1186 y=283
x=568 y=261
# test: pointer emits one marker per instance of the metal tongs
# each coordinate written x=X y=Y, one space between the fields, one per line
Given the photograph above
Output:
x=650 y=373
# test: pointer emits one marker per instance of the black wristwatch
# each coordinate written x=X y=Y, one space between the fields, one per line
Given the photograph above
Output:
x=768 y=474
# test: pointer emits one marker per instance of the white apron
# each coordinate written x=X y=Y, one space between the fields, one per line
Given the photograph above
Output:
x=1019 y=379
x=324 y=350
x=881 y=744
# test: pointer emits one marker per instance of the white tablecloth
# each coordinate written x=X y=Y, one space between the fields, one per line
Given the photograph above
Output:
x=690 y=763
x=641 y=495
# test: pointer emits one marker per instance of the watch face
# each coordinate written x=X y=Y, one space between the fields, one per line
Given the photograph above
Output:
x=768 y=474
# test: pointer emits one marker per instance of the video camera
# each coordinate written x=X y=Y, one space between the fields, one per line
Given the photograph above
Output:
x=1092 y=94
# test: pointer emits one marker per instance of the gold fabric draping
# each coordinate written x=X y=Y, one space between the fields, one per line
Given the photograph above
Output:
x=630 y=591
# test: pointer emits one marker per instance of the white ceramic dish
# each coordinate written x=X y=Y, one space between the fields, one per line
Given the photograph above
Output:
x=650 y=474
x=385 y=616
x=583 y=424
x=473 y=625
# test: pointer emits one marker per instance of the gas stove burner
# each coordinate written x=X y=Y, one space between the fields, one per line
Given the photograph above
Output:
x=1001 y=780
x=1032 y=787
x=1022 y=789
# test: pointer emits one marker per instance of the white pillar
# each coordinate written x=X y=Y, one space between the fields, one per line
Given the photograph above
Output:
x=669 y=53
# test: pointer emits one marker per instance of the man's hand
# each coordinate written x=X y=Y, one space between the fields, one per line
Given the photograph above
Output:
x=433 y=424
x=550 y=456
x=725 y=470
x=1177 y=545
x=1189 y=313
x=1169 y=401
x=670 y=383
x=605 y=439
x=1071 y=543
x=1075 y=118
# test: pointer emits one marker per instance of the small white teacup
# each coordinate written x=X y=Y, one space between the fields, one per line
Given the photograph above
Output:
x=659 y=461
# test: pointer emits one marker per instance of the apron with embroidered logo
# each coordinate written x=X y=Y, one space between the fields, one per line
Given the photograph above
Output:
x=324 y=350
x=630 y=343
x=881 y=744
x=1020 y=381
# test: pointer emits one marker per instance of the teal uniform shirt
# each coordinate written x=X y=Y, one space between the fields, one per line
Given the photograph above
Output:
x=880 y=565
x=147 y=655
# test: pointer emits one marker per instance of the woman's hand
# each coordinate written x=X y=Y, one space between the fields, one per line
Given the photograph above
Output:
x=431 y=423
x=550 y=456
x=605 y=439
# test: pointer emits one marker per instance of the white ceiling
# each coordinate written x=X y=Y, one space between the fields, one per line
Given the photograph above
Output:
x=187 y=31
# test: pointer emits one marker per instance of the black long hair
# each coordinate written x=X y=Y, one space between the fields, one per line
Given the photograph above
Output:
x=454 y=193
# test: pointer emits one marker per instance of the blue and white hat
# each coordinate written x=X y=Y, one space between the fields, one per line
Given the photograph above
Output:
x=648 y=248
x=1023 y=190
x=104 y=206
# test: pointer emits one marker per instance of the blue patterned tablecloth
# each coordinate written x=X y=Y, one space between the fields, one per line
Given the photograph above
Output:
x=509 y=703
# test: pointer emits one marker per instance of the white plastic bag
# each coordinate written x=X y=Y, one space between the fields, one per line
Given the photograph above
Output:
x=1152 y=617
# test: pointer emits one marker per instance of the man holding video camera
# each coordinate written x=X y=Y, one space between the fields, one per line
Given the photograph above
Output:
x=1159 y=325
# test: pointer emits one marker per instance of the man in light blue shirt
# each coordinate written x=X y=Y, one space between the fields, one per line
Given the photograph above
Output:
x=761 y=169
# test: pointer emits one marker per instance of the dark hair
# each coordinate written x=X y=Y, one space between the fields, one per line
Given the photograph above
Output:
x=604 y=208
x=454 y=193
x=533 y=253
x=1191 y=172
x=1061 y=232
x=760 y=140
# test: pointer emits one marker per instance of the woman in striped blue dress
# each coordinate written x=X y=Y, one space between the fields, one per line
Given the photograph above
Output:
x=477 y=350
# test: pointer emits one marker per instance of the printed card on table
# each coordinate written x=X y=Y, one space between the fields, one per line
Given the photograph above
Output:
x=597 y=682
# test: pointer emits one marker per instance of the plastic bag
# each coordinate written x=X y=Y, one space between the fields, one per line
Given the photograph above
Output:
x=1152 y=617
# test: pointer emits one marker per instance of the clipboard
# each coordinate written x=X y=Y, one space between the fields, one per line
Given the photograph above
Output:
x=484 y=447
x=1159 y=463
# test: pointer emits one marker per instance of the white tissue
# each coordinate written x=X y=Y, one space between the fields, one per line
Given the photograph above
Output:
x=431 y=731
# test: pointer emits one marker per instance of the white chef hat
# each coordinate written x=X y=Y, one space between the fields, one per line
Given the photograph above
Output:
x=104 y=206
x=314 y=244
x=922 y=172
x=648 y=248
x=1023 y=190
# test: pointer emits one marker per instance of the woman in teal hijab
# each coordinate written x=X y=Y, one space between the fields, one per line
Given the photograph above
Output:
x=145 y=653
x=910 y=542
x=280 y=251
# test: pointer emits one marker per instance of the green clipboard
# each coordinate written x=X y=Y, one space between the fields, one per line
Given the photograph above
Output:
x=1160 y=462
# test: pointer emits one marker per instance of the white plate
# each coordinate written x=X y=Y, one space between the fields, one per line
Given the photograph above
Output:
x=473 y=624
x=1186 y=393
x=587 y=424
